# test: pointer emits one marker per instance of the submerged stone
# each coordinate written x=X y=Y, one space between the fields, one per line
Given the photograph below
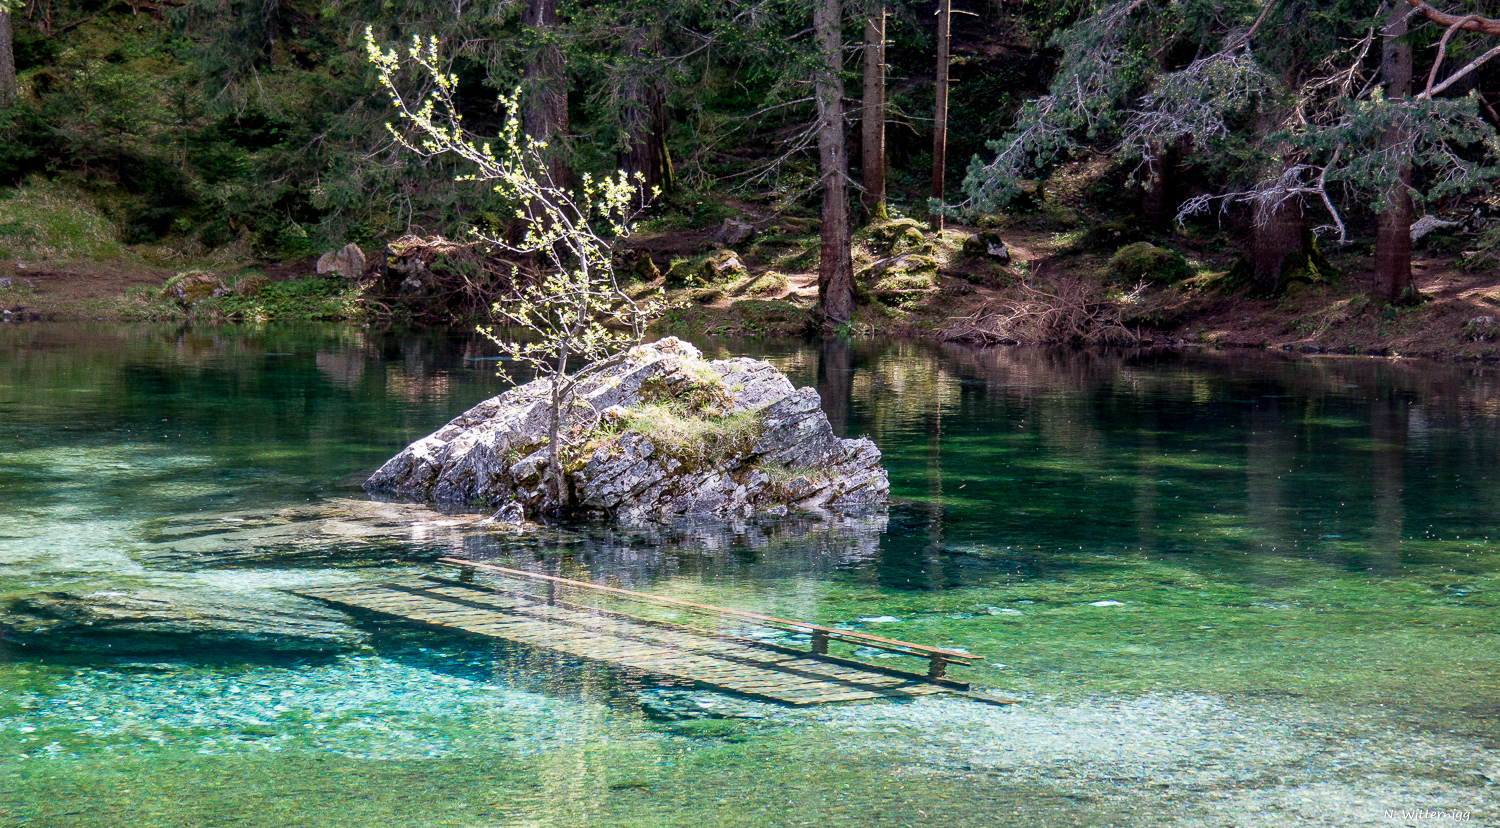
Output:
x=144 y=620
x=666 y=705
x=662 y=433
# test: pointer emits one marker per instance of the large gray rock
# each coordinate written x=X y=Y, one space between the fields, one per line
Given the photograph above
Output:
x=778 y=452
x=348 y=262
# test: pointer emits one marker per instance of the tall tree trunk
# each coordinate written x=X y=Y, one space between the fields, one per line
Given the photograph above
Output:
x=872 y=114
x=644 y=121
x=940 y=111
x=1393 y=234
x=545 y=116
x=835 y=263
x=1278 y=231
x=7 y=61
x=1275 y=233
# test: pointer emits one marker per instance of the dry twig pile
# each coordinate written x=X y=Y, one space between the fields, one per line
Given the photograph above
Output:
x=1066 y=311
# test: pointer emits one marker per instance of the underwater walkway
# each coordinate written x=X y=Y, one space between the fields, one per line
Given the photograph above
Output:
x=760 y=670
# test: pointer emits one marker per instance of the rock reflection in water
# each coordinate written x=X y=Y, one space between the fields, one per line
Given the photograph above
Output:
x=763 y=547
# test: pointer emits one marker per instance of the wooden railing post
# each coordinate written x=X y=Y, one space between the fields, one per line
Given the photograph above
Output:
x=937 y=667
x=820 y=643
x=466 y=574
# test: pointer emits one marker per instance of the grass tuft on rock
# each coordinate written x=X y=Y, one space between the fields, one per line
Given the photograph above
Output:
x=686 y=416
x=792 y=484
x=694 y=440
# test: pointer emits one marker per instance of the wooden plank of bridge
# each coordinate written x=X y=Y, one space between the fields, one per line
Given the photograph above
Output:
x=660 y=649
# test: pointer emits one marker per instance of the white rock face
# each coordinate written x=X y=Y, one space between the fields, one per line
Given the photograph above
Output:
x=494 y=454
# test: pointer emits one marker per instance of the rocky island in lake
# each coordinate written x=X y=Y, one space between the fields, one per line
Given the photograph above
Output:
x=661 y=434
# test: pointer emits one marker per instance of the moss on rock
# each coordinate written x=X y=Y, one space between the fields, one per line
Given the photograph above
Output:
x=723 y=266
x=1145 y=262
x=897 y=237
x=194 y=286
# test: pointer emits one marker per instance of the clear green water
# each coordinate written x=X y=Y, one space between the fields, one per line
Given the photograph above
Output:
x=1304 y=553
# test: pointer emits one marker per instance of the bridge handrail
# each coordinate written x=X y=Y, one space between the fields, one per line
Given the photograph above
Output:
x=938 y=656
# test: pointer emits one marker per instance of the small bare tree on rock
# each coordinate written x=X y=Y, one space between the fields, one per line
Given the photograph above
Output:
x=578 y=309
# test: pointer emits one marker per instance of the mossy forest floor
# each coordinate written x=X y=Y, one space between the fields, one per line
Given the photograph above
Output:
x=59 y=260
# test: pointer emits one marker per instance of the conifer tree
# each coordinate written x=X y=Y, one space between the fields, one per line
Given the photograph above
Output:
x=1334 y=125
x=835 y=262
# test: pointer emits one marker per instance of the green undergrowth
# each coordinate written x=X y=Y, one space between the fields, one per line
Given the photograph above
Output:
x=746 y=317
x=788 y=483
x=1145 y=262
x=297 y=300
x=767 y=283
x=48 y=220
x=250 y=297
x=16 y=289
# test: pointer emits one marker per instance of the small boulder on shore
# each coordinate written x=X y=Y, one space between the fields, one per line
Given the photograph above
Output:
x=191 y=287
x=663 y=433
x=724 y=266
x=348 y=262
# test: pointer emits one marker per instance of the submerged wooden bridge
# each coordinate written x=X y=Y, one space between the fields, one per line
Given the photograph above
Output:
x=757 y=669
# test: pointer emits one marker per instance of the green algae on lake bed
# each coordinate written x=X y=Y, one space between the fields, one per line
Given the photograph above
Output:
x=1233 y=590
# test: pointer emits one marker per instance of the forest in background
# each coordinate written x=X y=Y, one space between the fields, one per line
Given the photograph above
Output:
x=214 y=121
x=1143 y=166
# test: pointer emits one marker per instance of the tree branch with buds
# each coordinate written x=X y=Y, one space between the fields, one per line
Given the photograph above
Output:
x=577 y=309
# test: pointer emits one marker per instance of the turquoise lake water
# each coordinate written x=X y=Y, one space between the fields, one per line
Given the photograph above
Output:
x=1231 y=589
